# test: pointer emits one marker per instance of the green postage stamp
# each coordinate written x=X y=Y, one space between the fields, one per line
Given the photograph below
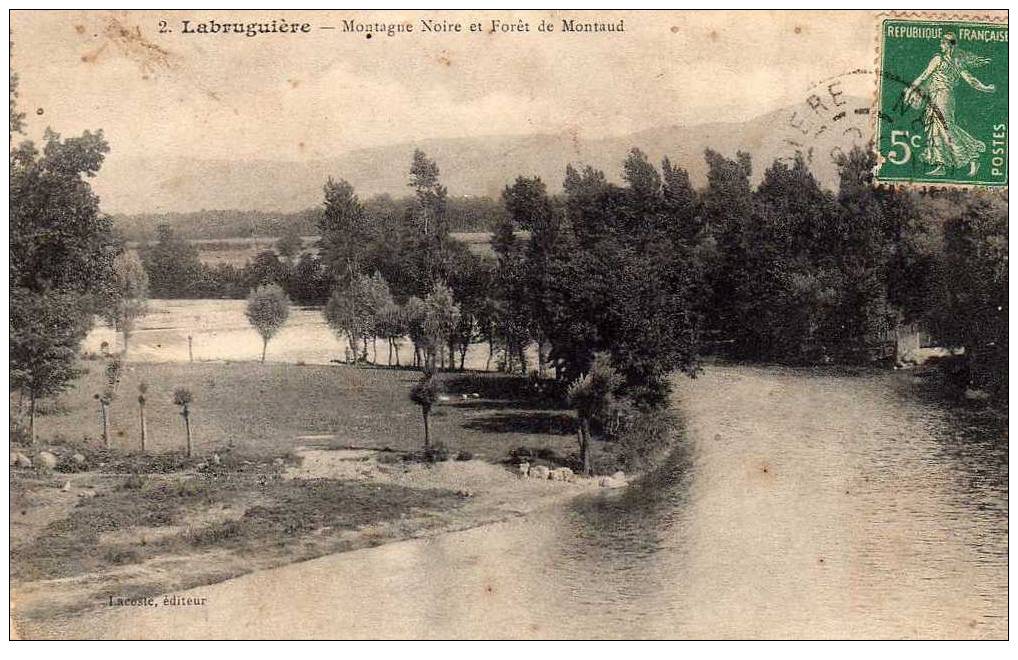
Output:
x=942 y=102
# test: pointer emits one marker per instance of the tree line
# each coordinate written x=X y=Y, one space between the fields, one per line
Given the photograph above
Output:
x=602 y=291
x=466 y=214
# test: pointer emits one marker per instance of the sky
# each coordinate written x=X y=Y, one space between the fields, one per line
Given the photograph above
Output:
x=291 y=97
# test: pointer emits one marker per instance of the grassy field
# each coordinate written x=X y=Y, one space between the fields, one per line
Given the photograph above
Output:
x=268 y=409
x=239 y=251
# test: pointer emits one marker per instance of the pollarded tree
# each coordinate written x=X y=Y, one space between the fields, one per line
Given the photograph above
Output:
x=183 y=398
x=592 y=396
x=106 y=397
x=425 y=393
x=130 y=282
x=267 y=310
x=142 y=391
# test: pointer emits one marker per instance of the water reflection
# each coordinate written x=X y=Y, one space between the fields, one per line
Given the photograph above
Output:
x=802 y=504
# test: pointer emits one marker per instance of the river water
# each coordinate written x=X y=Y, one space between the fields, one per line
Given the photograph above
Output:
x=801 y=504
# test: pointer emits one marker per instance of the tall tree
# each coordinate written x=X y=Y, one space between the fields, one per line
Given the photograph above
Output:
x=431 y=195
x=443 y=315
x=45 y=335
x=130 y=282
x=973 y=301
x=344 y=234
x=61 y=251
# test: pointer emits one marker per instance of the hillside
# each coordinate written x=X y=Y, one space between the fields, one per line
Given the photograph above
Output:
x=470 y=166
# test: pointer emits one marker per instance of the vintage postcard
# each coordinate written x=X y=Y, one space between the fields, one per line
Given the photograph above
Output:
x=497 y=324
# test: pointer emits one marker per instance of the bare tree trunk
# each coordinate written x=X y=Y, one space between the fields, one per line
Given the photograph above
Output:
x=585 y=448
x=464 y=347
x=127 y=336
x=523 y=358
x=187 y=430
x=374 y=349
x=390 y=351
x=104 y=409
x=265 y=345
x=397 y=352
x=491 y=349
x=190 y=352
x=427 y=435
x=31 y=418
x=144 y=427
x=540 y=357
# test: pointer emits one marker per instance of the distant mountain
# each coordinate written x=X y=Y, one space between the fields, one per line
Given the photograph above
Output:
x=479 y=166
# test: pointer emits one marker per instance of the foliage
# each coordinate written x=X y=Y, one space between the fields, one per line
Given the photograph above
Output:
x=431 y=196
x=973 y=293
x=61 y=255
x=354 y=310
x=172 y=265
x=441 y=318
x=182 y=397
x=343 y=231
x=45 y=334
x=268 y=307
x=130 y=283
x=592 y=396
x=425 y=393
x=290 y=243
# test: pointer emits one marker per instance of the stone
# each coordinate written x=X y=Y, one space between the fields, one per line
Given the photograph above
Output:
x=46 y=460
x=619 y=475
x=21 y=460
x=463 y=492
x=216 y=460
x=277 y=461
x=976 y=395
x=523 y=469
x=561 y=474
x=67 y=487
x=78 y=459
x=611 y=482
x=539 y=472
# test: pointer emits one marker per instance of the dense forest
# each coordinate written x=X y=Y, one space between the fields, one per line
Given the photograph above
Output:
x=654 y=271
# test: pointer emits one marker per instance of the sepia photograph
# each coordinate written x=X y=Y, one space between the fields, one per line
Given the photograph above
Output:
x=494 y=324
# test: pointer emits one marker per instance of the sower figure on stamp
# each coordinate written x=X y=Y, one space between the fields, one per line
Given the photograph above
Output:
x=947 y=143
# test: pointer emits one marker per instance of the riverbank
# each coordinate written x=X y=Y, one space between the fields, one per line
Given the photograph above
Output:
x=89 y=541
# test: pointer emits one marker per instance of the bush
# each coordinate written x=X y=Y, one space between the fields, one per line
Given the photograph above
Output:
x=436 y=454
x=133 y=482
x=464 y=456
x=644 y=437
x=388 y=458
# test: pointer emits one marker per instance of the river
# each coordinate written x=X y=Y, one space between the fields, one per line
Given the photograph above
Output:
x=801 y=504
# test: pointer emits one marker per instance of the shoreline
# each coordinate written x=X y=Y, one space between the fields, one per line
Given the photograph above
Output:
x=487 y=494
